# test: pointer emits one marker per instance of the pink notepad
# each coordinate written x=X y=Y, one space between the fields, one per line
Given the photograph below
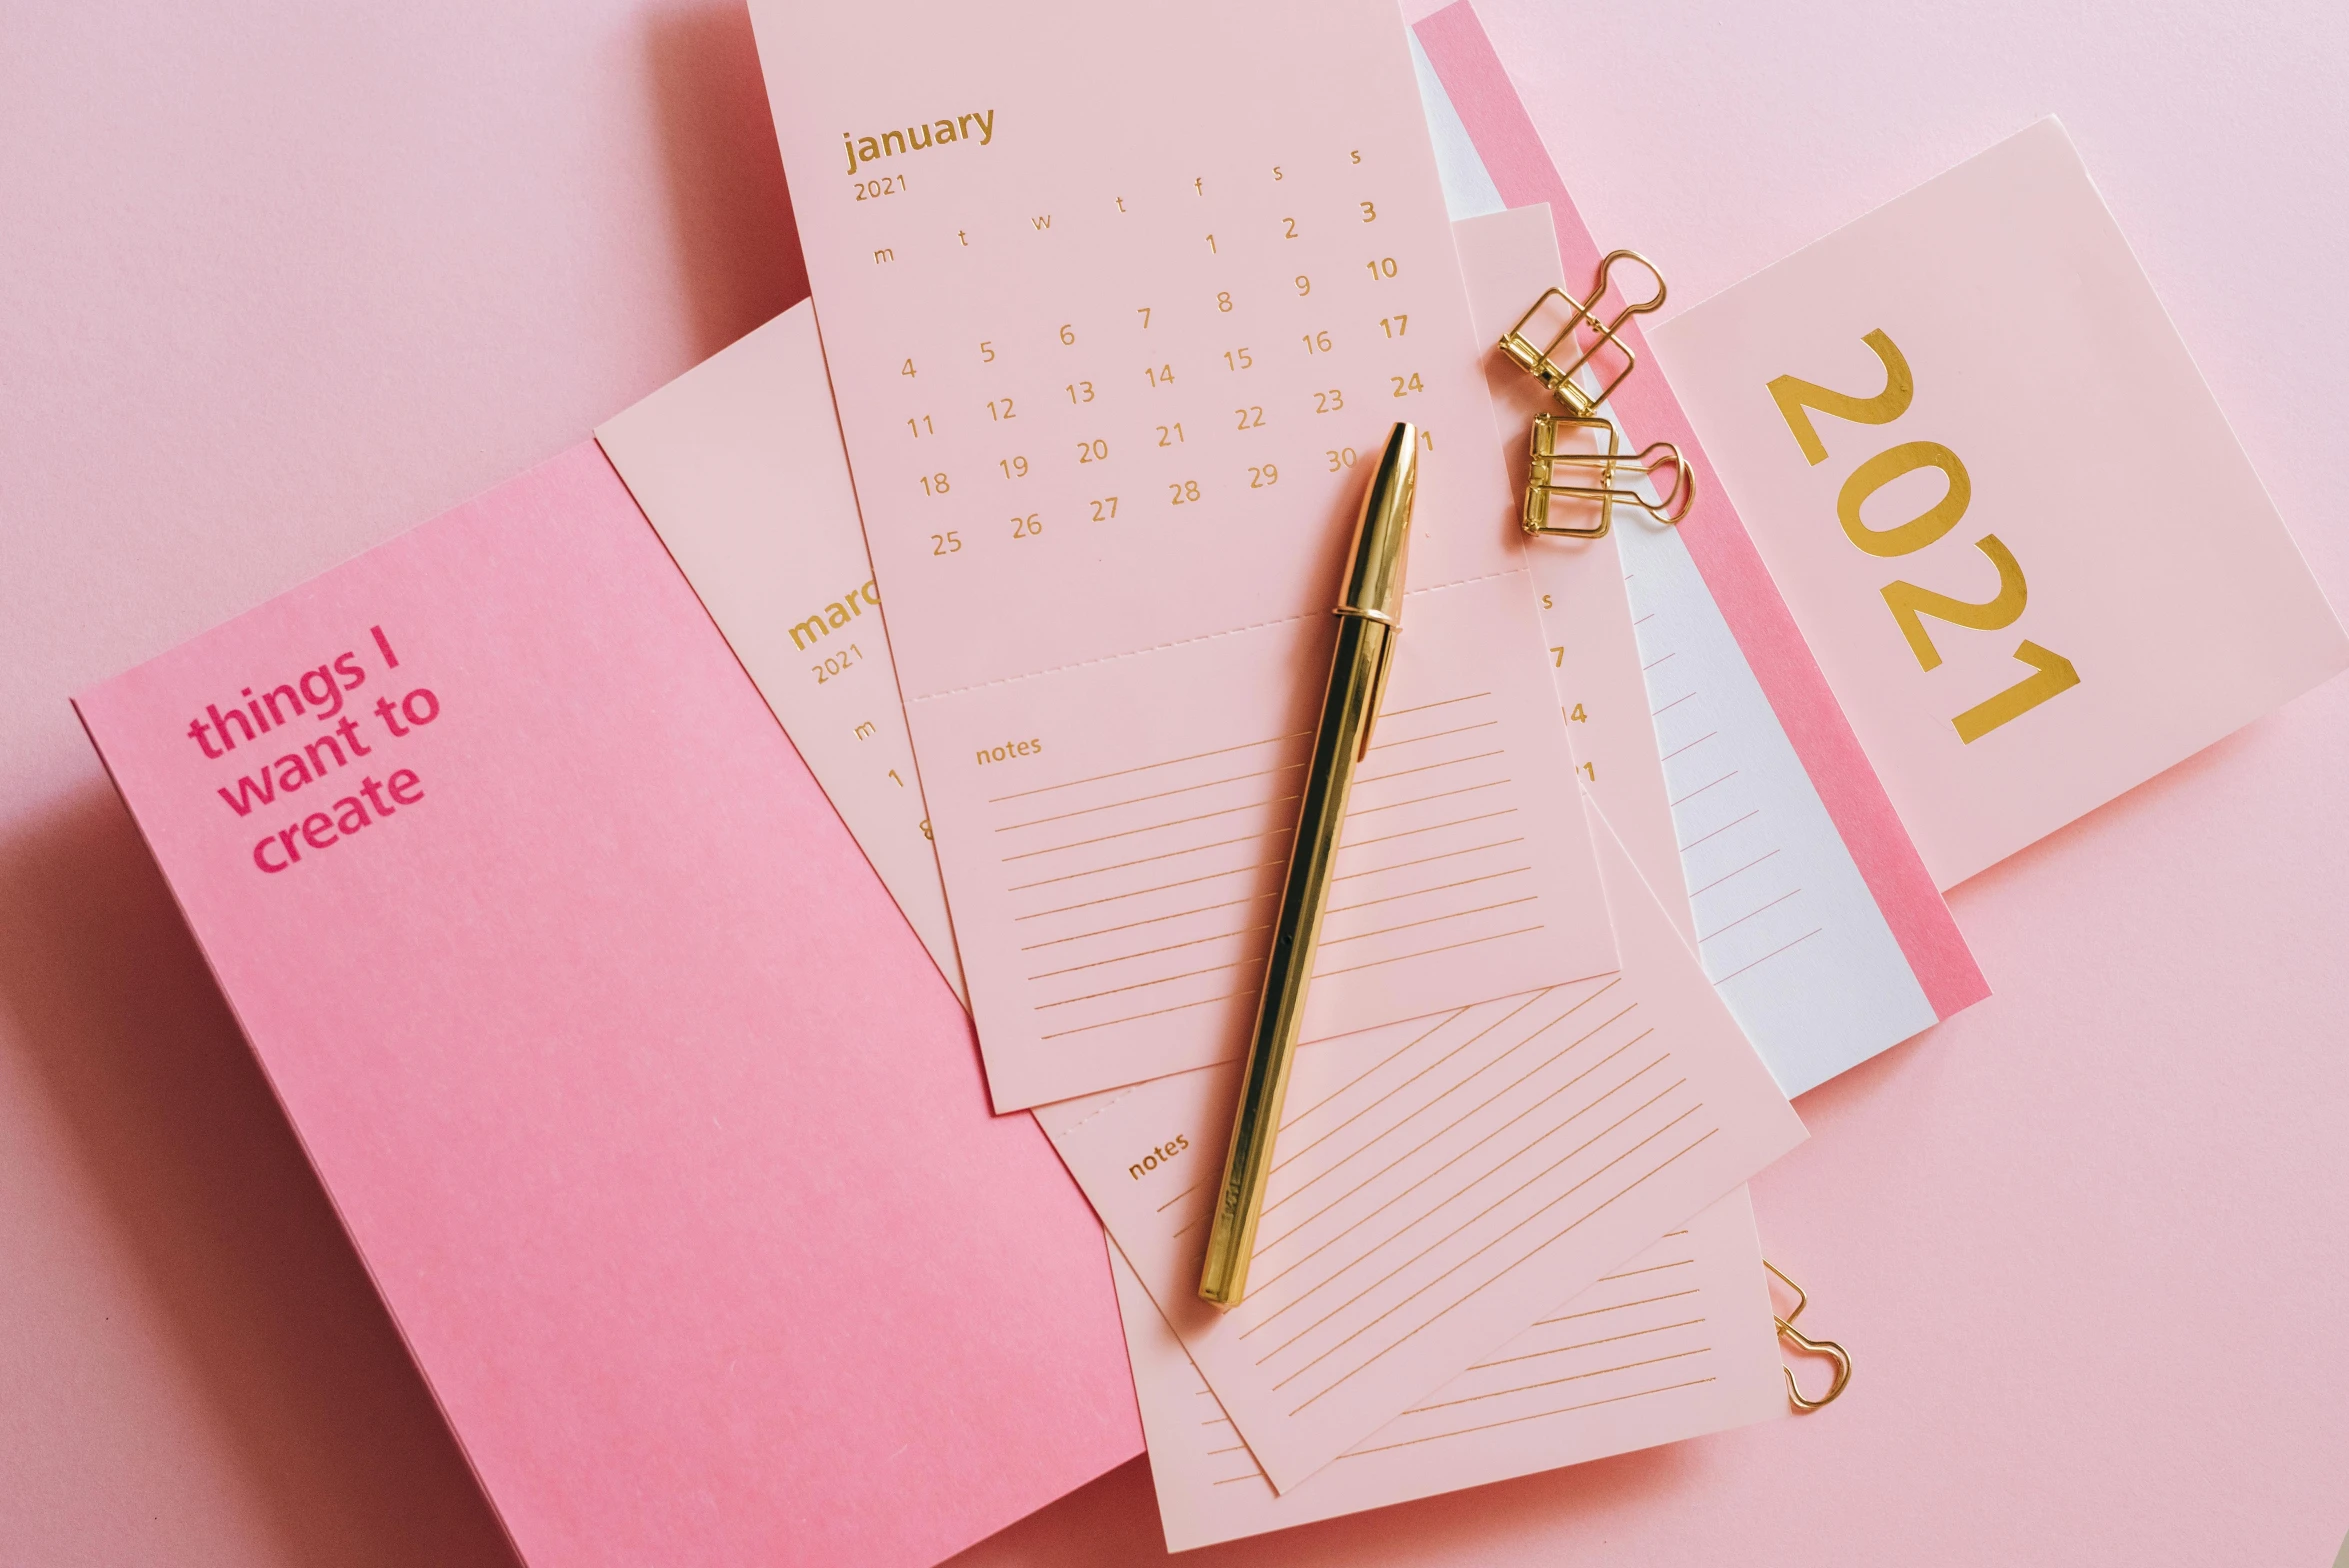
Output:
x=657 y=1128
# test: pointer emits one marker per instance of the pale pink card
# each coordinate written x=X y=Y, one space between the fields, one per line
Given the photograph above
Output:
x=1110 y=384
x=655 y=1125
x=2032 y=559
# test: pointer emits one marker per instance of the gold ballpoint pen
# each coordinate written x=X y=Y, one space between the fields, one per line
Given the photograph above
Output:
x=1369 y=610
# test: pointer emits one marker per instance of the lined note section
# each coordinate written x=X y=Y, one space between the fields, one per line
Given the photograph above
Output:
x=1675 y=1343
x=1123 y=863
x=1784 y=920
x=1439 y=1182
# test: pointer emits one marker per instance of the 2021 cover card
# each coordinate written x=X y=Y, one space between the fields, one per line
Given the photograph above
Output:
x=660 y=1133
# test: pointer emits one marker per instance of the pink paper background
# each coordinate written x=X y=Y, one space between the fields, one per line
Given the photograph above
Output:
x=278 y=285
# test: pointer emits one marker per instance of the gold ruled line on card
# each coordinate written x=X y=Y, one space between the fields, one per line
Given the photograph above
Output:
x=1177 y=1198
x=1119 y=773
x=1536 y=1355
x=1749 y=914
x=1413 y=740
x=1549 y=1061
x=1424 y=860
x=1669 y=706
x=1740 y=871
x=1423 y=1180
x=1111 y=1023
x=1433 y=827
x=1723 y=828
x=1620 y=1306
x=1320 y=973
x=1295 y=1150
x=1429 y=767
x=1766 y=957
x=1120 y=805
x=1653 y=1268
x=1538 y=1415
x=1417 y=892
x=1533 y=1252
x=1152 y=827
x=1149 y=952
x=1111 y=898
x=1135 y=925
x=1446 y=702
x=1144 y=985
x=1501 y=1165
x=1289 y=1123
x=1701 y=788
x=1421 y=800
x=1571 y=1377
x=1409 y=925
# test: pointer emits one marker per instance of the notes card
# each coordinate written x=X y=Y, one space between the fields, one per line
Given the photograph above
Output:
x=737 y=463
x=1673 y=1343
x=2034 y=562
x=656 y=1127
x=1108 y=380
x=1440 y=1184
x=1816 y=917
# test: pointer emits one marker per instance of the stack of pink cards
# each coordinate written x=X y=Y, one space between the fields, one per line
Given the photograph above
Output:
x=730 y=973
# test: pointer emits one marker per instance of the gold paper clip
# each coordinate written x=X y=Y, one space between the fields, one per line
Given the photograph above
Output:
x=1809 y=1346
x=1588 y=479
x=1582 y=322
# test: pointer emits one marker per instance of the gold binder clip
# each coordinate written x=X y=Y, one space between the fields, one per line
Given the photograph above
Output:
x=1584 y=336
x=1816 y=1347
x=1578 y=459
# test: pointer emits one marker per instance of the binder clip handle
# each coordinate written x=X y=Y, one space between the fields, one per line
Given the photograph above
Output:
x=1598 y=477
x=1809 y=1346
x=1559 y=359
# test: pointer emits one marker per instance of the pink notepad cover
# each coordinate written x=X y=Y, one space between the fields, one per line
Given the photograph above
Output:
x=656 y=1127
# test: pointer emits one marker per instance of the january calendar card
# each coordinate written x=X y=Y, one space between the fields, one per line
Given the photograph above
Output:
x=1114 y=311
x=2035 y=563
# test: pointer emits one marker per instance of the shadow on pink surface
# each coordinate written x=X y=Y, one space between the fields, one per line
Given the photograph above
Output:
x=737 y=244
x=258 y=1293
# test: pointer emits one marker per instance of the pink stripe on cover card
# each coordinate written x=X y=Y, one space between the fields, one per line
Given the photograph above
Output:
x=1800 y=707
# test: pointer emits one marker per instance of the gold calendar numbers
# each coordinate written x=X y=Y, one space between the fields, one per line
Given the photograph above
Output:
x=1261 y=475
x=1237 y=359
x=1383 y=267
x=1408 y=383
x=1182 y=492
x=1303 y=285
x=1223 y=300
x=1079 y=391
x=1369 y=211
x=1093 y=451
x=1339 y=457
x=1027 y=527
x=1000 y=408
x=1104 y=508
x=920 y=425
x=1170 y=435
x=986 y=354
x=1251 y=417
x=935 y=484
x=1068 y=334
x=1329 y=402
x=1144 y=312
x=1014 y=467
x=947 y=543
x=1316 y=342
x=1160 y=375
x=1394 y=326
